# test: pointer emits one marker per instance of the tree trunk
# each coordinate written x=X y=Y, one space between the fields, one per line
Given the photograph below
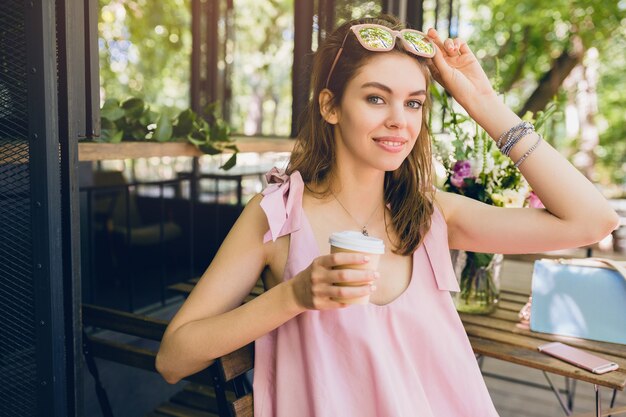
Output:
x=587 y=108
x=551 y=81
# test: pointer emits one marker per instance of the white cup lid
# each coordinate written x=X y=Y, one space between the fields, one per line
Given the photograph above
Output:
x=357 y=242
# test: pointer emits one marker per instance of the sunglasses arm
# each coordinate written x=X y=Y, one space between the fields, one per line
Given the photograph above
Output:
x=332 y=67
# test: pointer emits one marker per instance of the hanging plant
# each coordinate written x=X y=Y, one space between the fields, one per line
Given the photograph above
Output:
x=133 y=120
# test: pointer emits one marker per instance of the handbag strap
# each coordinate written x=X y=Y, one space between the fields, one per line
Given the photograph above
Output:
x=596 y=262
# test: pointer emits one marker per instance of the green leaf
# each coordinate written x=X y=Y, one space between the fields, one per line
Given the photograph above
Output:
x=148 y=117
x=133 y=107
x=163 y=131
x=111 y=110
x=435 y=91
x=195 y=141
x=230 y=163
x=184 y=123
x=209 y=149
x=483 y=259
x=117 y=137
x=219 y=133
x=138 y=133
x=106 y=123
x=110 y=136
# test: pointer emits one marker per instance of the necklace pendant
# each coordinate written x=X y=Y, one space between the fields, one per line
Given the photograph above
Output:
x=364 y=231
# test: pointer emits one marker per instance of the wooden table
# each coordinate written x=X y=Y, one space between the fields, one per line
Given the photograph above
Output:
x=500 y=335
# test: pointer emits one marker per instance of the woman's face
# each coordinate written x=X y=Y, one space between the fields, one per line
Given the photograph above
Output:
x=380 y=114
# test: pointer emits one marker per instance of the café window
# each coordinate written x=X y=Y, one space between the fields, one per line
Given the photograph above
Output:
x=240 y=53
x=145 y=51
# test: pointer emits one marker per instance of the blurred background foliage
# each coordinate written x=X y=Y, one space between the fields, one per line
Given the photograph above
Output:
x=534 y=43
x=568 y=50
x=145 y=51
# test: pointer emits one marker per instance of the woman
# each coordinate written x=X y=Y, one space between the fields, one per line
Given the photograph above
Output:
x=363 y=161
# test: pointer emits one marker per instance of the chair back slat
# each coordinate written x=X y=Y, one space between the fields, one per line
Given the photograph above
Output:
x=243 y=407
x=122 y=322
x=237 y=363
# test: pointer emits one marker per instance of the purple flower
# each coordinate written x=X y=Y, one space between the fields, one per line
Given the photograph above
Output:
x=461 y=170
x=534 y=201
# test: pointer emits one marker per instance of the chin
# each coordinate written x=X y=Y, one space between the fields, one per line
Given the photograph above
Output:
x=390 y=165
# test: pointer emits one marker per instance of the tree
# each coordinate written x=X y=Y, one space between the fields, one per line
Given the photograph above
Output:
x=145 y=51
x=537 y=45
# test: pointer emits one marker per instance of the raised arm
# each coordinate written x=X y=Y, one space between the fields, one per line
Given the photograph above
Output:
x=576 y=213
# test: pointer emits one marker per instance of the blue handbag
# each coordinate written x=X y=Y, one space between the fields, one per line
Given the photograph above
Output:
x=579 y=297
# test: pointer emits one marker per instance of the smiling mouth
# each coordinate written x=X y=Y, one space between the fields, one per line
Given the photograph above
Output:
x=390 y=143
x=395 y=142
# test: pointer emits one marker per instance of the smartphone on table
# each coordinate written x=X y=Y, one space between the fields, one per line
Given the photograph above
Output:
x=578 y=357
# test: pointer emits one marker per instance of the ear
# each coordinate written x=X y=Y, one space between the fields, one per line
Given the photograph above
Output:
x=327 y=109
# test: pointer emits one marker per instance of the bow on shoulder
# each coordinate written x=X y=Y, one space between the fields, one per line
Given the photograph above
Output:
x=282 y=203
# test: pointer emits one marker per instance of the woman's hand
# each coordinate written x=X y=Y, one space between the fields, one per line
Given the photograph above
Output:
x=455 y=67
x=315 y=288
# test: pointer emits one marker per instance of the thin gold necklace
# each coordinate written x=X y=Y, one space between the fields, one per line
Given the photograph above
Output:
x=364 y=227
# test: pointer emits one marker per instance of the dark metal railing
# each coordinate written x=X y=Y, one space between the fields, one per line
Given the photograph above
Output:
x=116 y=239
x=115 y=192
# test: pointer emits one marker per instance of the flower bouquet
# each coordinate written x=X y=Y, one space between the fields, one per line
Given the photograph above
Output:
x=469 y=163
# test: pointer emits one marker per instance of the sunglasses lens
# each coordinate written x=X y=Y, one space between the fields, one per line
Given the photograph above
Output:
x=418 y=42
x=376 y=38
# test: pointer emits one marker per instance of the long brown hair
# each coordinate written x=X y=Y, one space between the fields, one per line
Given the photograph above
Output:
x=409 y=189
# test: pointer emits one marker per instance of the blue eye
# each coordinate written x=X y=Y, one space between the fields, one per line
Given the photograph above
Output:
x=375 y=99
x=415 y=104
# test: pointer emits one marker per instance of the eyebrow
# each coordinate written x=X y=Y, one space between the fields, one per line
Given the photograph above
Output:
x=388 y=90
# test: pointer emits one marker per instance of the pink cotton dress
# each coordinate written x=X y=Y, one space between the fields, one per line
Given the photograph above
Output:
x=410 y=357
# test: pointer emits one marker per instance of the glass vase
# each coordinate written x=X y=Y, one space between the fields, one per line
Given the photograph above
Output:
x=479 y=281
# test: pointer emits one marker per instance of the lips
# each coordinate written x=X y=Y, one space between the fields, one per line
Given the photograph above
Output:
x=391 y=144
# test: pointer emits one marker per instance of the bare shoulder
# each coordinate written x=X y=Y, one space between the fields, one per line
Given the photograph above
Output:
x=253 y=221
x=253 y=212
x=447 y=203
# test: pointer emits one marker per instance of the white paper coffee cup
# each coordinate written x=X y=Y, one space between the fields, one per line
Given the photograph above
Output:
x=356 y=242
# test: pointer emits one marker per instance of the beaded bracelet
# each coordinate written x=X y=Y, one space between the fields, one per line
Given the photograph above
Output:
x=515 y=137
x=508 y=133
x=529 y=151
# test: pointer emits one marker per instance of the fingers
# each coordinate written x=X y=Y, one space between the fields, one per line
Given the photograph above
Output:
x=438 y=65
x=341 y=259
x=335 y=288
x=346 y=294
x=434 y=36
x=331 y=288
x=448 y=46
x=451 y=47
x=352 y=277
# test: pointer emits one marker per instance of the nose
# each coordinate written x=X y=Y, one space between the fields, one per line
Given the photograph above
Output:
x=397 y=117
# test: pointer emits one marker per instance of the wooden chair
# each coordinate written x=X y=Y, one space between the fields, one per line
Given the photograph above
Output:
x=218 y=391
x=233 y=370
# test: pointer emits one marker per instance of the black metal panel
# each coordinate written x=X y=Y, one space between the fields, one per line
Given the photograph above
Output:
x=32 y=362
x=78 y=114
x=45 y=189
x=91 y=78
x=18 y=376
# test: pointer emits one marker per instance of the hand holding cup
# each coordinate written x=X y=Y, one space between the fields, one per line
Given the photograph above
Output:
x=355 y=242
x=340 y=279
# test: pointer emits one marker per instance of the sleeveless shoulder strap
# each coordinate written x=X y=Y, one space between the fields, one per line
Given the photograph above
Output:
x=282 y=203
x=436 y=244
